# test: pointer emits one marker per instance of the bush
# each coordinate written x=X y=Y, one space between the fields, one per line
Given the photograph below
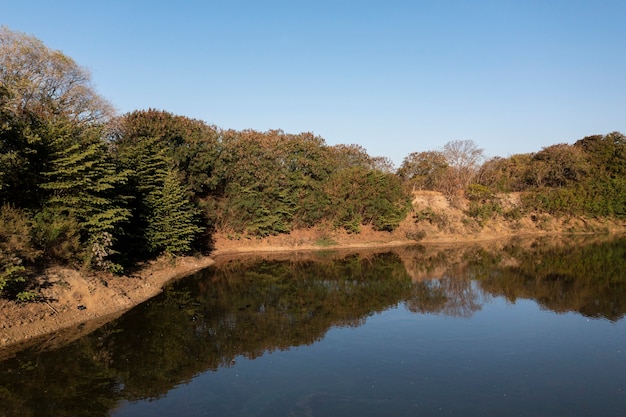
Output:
x=483 y=211
x=477 y=192
x=15 y=234
x=12 y=275
x=359 y=196
x=57 y=235
x=437 y=219
x=416 y=235
x=15 y=248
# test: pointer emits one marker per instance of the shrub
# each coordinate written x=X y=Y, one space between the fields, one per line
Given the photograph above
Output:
x=15 y=248
x=416 y=235
x=477 y=192
x=56 y=234
x=437 y=219
x=483 y=211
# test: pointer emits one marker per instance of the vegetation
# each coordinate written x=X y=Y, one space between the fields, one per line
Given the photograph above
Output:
x=82 y=186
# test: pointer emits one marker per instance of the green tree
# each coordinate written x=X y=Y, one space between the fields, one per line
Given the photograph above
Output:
x=24 y=155
x=262 y=176
x=173 y=225
x=506 y=174
x=359 y=196
x=84 y=184
x=191 y=146
x=145 y=144
x=424 y=170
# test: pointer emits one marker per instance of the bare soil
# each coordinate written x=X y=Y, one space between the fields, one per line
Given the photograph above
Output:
x=77 y=303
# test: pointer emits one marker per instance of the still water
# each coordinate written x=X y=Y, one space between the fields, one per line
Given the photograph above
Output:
x=511 y=328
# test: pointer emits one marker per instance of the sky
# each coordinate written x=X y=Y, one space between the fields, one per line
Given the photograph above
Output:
x=392 y=76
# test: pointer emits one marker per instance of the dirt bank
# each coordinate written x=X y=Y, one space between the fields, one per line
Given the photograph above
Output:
x=77 y=303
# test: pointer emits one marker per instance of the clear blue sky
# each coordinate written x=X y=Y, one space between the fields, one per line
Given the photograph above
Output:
x=392 y=76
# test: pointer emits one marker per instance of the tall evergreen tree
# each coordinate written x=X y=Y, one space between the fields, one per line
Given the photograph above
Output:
x=173 y=224
x=164 y=219
x=83 y=183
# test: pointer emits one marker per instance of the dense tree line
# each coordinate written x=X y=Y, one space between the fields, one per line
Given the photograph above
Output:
x=83 y=186
x=587 y=178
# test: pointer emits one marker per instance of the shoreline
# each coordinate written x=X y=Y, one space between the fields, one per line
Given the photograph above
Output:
x=80 y=304
x=73 y=315
x=47 y=324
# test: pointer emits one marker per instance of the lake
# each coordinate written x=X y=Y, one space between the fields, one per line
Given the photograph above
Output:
x=523 y=327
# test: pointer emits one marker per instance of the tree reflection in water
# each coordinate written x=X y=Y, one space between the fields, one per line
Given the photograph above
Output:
x=247 y=307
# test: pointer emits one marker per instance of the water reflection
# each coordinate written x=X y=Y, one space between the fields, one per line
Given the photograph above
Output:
x=244 y=308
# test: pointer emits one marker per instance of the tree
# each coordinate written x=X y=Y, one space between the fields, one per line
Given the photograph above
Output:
x=383 y=164
x=263 y=174
x=361 y=196
x=173 y=225
x=350 y=156
x=53 y=157
x=606 y=154
x=24 y=154
x=558 y=166
x=464 y=157
x=84 y=184
x=145 y=144
x=46 y=83
x=191 y=146
x=424 y=170
x=506 y=174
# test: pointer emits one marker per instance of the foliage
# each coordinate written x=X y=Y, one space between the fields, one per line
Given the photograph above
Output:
x=11 y=274
x=558 y=166
x=478 y=192
x=190 y=146
x=46 y=83
x=483 y=203
x=440 y=219
x=57 y=234
x=587 y=178
x=483 y=210
x=173 y=223
x=15 y=249
x=52 y=154
x=362 y=196
x=164 y=215
x=506 y=174
x=275 y=182
x=84 y=181
x=23 y=157
x=424 y=170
